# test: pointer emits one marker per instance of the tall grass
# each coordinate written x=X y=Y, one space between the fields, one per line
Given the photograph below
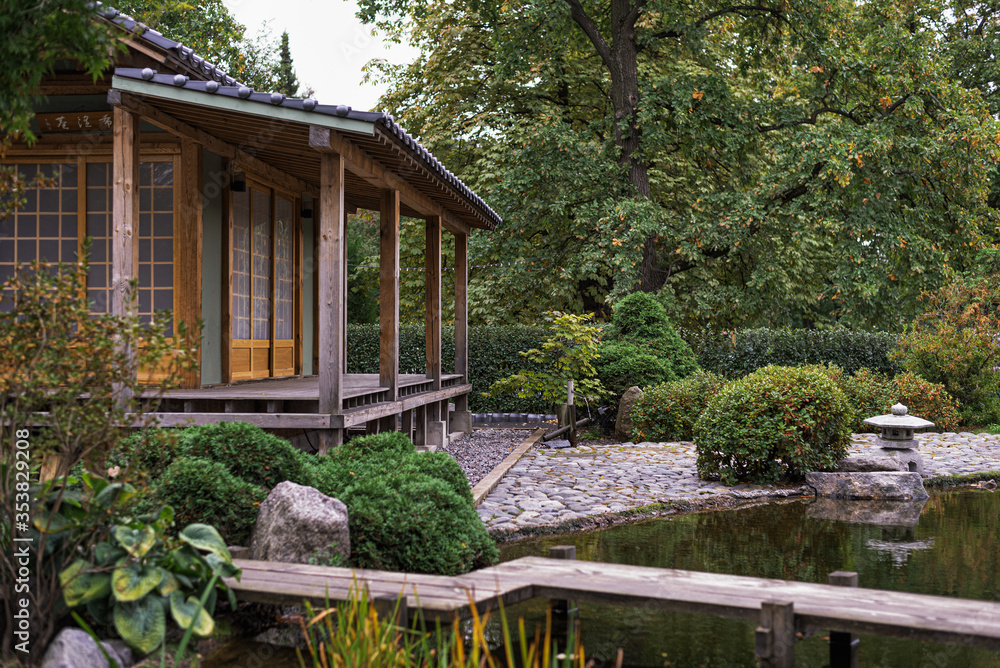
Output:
x=353 y=633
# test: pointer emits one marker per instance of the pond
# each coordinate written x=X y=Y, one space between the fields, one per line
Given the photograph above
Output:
x=950 y=546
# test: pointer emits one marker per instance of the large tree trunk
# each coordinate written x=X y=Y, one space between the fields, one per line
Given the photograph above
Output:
x=621 y=58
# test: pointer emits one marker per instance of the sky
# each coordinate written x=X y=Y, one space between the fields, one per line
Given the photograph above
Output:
x=329 y=45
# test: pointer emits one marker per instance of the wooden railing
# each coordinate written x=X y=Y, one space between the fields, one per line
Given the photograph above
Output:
x=784 y=608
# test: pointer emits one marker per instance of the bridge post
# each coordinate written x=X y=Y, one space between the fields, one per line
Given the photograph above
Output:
x=563 y=611
x=775 y=637
x=844 y=646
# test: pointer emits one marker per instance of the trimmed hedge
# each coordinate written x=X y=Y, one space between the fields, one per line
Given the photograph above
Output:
x=738 y=353
x=494 y=353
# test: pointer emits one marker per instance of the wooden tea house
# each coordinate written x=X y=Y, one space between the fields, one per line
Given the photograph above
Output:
x=228 y=205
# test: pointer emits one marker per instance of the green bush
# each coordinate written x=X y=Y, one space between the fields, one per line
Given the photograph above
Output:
x=956 y=343
x=927 y=400
x=641 y=348
x=870 y=394
x=200 y=490
x=669 y=411
x=777 y=422
x=734 y=354
x=248 y=452
x=406 y=511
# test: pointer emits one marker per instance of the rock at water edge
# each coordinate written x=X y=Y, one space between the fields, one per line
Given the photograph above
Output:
x=297 y=523
x=890 y=485
x=623 y=425
x=74 y=648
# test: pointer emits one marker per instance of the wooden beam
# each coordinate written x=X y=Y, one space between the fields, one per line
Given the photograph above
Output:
x=432 y=289
x=366 y=167
x=125 y=217
x=388 y=346
x=462 y=315
x=243 y=160
x=188 y=252
x=331 y=295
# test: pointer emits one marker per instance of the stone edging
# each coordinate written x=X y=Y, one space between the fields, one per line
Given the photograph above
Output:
x=486 y=485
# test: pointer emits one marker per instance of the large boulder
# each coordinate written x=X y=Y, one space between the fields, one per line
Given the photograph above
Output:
x=298 y=523
x=74 y=648
x=887 y=485
x=623 y=425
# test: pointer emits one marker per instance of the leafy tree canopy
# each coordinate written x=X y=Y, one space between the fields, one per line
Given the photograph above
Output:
x=209 y=28
x=786 y=163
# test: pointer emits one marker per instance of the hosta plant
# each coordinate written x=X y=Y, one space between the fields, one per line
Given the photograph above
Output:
x=138 y=573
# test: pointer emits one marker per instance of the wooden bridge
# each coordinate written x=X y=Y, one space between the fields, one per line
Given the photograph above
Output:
x=786 y=610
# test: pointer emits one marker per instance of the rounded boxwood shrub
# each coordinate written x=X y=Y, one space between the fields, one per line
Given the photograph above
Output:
x=668 y=412
x=248 y=452
x=201 y=490
x=776 y=422
x=641 y=348
x=407 y=511
x=416 y=524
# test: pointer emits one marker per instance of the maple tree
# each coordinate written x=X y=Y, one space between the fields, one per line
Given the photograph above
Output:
x=771 y=164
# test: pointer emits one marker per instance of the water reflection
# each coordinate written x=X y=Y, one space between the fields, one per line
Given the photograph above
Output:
x=946 y=545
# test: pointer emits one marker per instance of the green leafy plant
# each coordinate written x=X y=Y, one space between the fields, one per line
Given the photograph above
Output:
x=777 y=422
x=568 y=353
x=669 y=411
x=641 y=347
x=956 y=342
x=135 y=572
x=928 y=400
x=69 y=391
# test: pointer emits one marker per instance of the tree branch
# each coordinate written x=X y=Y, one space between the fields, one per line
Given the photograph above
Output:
x=590 y=29
x=742 y=10
x=811 y=120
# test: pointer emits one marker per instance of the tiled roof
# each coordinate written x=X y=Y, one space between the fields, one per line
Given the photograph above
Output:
x=217 y=82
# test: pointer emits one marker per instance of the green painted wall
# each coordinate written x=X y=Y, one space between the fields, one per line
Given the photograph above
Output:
x=213 y=190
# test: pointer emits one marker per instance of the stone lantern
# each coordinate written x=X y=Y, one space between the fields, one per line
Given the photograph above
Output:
x=896 y=436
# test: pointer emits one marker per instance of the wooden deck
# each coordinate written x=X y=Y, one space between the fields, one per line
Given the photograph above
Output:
x=813 y=606
x=294 y=402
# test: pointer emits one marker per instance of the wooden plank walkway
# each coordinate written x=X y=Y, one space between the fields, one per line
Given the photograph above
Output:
x=816 y=606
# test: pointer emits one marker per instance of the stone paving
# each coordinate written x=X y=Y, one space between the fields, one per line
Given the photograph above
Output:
x=549 y=486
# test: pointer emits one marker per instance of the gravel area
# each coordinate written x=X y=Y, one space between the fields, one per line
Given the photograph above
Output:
x=479 y=453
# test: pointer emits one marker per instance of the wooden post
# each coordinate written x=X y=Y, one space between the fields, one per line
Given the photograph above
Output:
x=331 y=295
x=388 y=345
x=775 y=637
x=843 y=646
x=571 y=413
x=407 y=423
x=463 y=418
x=125 y=217
x=563 y=610
x=188 y=253
x=436 y=433
x=432 y=285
